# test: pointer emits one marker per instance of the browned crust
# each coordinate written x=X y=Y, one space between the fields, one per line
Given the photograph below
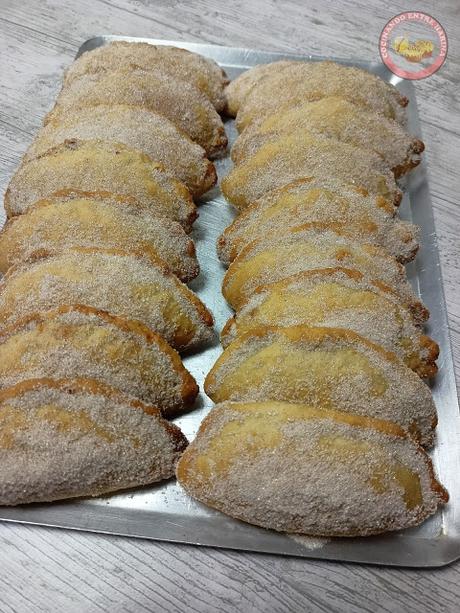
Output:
x=189 y=389
x=205 y=315
x=294 y=334
x=95 y=387
x=143 y=249
x=184 y=468
x=191 y=213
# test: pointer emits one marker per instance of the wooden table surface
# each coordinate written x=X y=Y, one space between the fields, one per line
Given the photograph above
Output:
x=49 y=570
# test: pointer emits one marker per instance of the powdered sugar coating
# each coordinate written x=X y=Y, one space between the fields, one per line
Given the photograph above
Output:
x=295 y=156
x=83 y=343
x=335 y=118
x=178 y=101
x=295 y=82
x=202 y=72
x=334 y=299
x=120 y=283
x=66 y=439
x=292 y=469
x=327 y=367
x=100 y=166
x=135 y=127
x=57 y=225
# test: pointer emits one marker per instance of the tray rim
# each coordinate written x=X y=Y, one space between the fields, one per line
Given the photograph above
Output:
x=417 y=553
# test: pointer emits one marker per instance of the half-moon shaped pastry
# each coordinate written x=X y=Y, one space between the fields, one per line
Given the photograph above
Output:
x=135 y=127
x=178 y=101
x=276 y=258
x=298 y=82
x=54 y=226
x=368 y=218
x=68 y=438
x=326 y=367
x=296 y=156
x=237 y=90
x=202 y=72
x=335 y=118
x=123 y=284
x=76 y=341
x=100 y=166
x=334 y=299
x=303 y=469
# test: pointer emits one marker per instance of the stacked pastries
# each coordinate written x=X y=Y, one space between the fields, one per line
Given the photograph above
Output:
x=95 y=254
x=323 y=414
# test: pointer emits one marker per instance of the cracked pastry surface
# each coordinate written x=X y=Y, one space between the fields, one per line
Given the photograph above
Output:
x=335 y=118
x=367 y=218
x=68 y=438
x=57 y=225
x=337 y=299
x=77 y=341
x=310 y=470
x=178 y=101
x=296 y=82
x=202 y=72
x=327 y=367
x=123 y=284
x=100 y=166
x=135 y=127
x=296 y=156
x=275 y=258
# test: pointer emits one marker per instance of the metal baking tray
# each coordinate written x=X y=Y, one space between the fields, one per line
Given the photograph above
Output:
x=164 y=512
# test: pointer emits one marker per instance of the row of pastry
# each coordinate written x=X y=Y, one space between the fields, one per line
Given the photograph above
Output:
x=94 y=310
x=323 y=413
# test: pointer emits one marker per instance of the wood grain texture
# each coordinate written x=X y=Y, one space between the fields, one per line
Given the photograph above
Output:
x=48 y=570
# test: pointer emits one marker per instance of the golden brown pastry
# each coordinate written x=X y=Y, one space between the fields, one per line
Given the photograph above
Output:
x=202 y=72
x=123 y=284
x=135 y=127
x=303 y=469
x=237 y=90
x=68 y=438
x=335 y=299
x=58 y=225
x=100 y=166
x=296 y=156
x=275 y=258
x=326 y=367
x=77 y=341
x=337 y=118
x=368 y=218
x=178 y=101
x=296 y=82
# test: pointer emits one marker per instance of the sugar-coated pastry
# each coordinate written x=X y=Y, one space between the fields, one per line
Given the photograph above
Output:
x=328 y=367
x=202 y=72
x=57 y=225
x=368 y=218
x=336 y=118
x=297 y=82
x=135 y=127
x=309 y=470
x=295 y=156
x=180 y=102
x=337 y=299
x=237 y=90
x=276 y=258
x=78 y=341
x=100 y=166
x=123 y=284
x=68 y=438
